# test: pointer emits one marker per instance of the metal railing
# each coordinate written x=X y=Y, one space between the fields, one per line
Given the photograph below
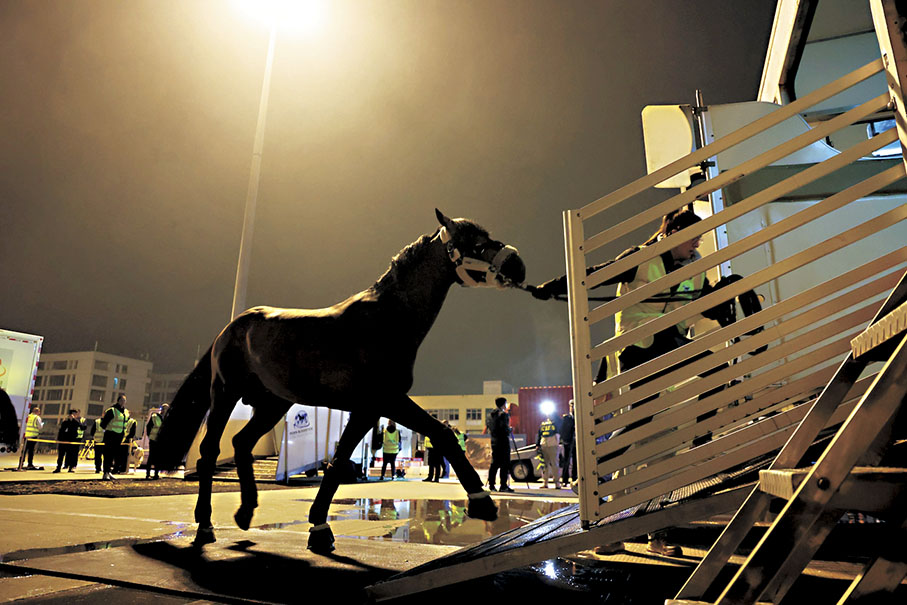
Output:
x=807 y=333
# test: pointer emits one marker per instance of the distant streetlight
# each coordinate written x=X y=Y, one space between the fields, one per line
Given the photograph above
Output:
x=547 y=408
x=301 y=15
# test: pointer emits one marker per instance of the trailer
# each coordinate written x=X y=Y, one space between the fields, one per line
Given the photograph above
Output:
x=19 y=353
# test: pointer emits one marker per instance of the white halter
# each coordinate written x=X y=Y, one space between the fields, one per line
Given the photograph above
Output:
x=464 y=264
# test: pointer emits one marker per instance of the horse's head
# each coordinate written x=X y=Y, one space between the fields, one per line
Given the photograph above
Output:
x=480 y=262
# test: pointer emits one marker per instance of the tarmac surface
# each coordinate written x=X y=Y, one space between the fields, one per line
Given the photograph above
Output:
x=106 y=545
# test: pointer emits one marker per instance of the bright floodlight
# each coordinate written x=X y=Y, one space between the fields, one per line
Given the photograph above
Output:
x=305 y=16
x=547 y=407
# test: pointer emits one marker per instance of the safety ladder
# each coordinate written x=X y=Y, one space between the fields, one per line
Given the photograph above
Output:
x=846 y=477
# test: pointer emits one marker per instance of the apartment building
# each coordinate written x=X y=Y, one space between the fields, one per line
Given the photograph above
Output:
x=90 y=381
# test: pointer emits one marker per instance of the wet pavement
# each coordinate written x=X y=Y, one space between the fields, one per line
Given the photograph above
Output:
x=91 y=549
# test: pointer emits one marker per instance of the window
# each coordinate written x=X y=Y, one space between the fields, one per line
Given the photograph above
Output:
x=103 y=366
x=40 y=365
x=56 y=381
x=38 y=380
x=52 y=409
x=473 y=414
x=38 y=394
x=95 y=409
x=74 y=364
x=118 y=383
x=99 y=381
x=124 y=369
x=450 y=414
x=59 y=365
x=53 y=395
x=96 y=395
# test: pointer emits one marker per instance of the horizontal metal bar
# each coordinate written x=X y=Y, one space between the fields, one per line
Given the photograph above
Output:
x=664 y=418
x=776 y=117
x=836 y=242
x=826 y=309
x=735 y=173
x=782 y=308
x=767 y=195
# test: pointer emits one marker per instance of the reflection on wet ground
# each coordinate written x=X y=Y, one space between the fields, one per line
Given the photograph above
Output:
x=443 y=521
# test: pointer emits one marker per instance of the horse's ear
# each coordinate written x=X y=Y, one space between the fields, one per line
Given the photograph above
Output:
x=445 y=222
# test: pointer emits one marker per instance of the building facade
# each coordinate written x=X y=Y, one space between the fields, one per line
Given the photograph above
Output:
x=89 y=381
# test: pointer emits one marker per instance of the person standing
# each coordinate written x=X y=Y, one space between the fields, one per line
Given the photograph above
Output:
x=390 y=447
x=568 y=440
x=124 y=453
x=96 y=434
x=547 y=443
x=377 y=441
x=33 y=426
x=498 y=426
x=434 y=461
x=152 y=429
x=114 y=425
x=69 y=436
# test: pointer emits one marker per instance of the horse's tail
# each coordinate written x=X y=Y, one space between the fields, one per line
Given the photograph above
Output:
x=187 y=411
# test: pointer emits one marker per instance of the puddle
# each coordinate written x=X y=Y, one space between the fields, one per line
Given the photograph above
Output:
x=37 y=553
x=442 y=521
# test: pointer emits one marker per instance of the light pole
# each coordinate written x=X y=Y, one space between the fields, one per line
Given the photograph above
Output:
x=248 y=225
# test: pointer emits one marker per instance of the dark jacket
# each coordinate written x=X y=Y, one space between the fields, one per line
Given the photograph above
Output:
x=567 y=428
x=498 y=425
x=69 y=430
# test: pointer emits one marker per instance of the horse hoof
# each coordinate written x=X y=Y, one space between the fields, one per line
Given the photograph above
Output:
x=243 y=517
x=321 y=541
x=204 y=535
x=482 y=508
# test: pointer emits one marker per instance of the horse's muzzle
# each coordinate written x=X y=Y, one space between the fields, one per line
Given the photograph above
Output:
x=513 y=270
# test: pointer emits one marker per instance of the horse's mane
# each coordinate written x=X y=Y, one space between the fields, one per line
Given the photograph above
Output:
x=401 y=261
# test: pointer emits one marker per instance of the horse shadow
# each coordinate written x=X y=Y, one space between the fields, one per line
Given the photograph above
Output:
x=259 y=575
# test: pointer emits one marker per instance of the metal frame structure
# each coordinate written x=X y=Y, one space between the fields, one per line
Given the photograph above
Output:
x=660 y=457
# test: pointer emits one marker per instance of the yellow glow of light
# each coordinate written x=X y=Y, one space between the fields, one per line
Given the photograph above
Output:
x=304 y=16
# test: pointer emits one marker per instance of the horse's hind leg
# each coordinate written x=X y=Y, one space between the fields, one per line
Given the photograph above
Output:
x=221 y=408
x=321 y=538
x=405 y=411
x=268 y=410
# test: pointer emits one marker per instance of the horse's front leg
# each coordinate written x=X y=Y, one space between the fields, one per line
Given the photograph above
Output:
x=321 y=538
x=406 y=412
x=268 y=410
x=209 y=450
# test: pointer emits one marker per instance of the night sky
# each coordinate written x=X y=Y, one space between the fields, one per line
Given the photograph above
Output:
x=126 y=133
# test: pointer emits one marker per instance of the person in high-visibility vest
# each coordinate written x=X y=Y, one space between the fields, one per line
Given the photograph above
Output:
x=434 y=461
x=114 y=424
x=152 y=429
x=33 y=426
x=69 y=436
x=121 y=465
x=390 y=448
x=669 y=339
x=547 y=443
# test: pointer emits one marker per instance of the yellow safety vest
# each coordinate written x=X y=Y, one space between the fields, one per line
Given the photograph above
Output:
x=81 y=431
x=391 y=442
x=427 y=443
x=32 y=429
x=156 y=422
x=644 y=312
x=118 y=424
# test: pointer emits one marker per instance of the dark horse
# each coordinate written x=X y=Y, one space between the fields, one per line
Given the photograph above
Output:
x=356 y=356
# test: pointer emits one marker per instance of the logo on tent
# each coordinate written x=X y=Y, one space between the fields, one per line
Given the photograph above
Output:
x=302 y=420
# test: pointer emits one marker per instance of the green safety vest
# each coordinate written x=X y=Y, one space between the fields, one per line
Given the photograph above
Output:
x=391 y=442
x=98 y=429
x=32 y=429
x=81 y=432
x=461 y=438
x=156 y=422
x=547 y=428
x=118 y=424
x=643 y=312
